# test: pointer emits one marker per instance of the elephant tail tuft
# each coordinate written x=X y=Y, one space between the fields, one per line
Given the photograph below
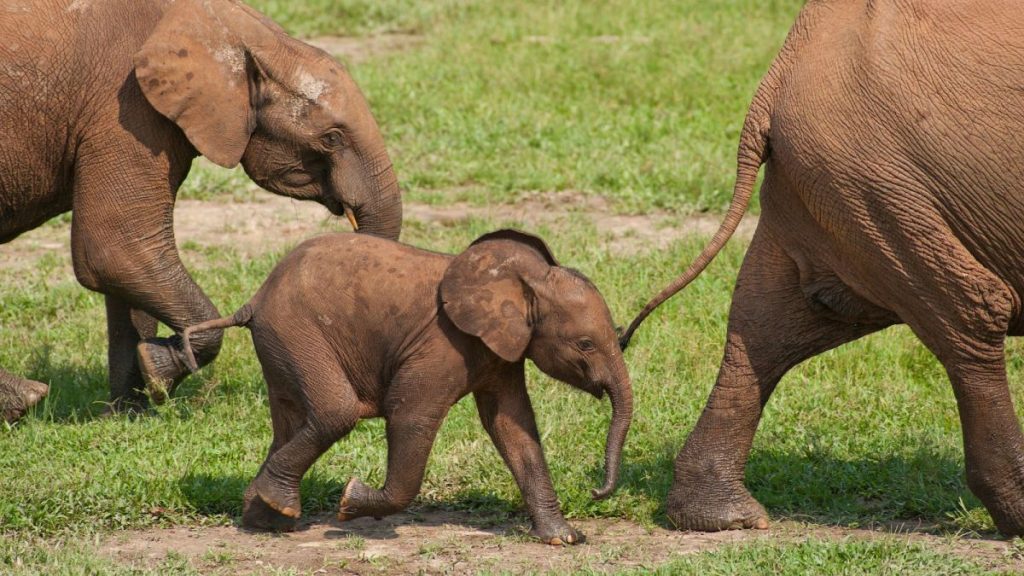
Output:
x=240 y=318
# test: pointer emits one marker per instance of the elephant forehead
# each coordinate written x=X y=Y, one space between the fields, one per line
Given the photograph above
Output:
x=310 y=86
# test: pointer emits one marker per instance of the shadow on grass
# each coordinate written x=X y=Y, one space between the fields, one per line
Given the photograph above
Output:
x=78 y=392
x=217 y=495
x=923 y=486
x=920 y=490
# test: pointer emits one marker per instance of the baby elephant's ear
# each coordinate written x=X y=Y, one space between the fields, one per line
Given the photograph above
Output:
x=527 y=240
x=485 y=292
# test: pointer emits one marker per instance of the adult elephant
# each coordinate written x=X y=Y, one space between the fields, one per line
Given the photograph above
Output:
x=893 y=138
x=104 y=105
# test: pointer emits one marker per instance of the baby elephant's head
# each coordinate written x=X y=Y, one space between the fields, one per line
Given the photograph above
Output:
x=508 y=290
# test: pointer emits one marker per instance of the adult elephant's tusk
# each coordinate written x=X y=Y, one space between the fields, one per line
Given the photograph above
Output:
x=351 y=218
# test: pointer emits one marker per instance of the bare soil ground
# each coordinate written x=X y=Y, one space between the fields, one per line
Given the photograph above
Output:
x=273 y=222
x=460 y=543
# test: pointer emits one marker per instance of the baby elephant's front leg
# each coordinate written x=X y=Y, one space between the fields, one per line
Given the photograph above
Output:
x=409 y=442
x=508 y=417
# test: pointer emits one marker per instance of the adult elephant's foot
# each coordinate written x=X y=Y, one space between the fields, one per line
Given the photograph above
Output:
x=358 y=500
x=1000 y=490
x=17 y=395
x=267 y=512
x=711 y=506
x=162 y=367
x=556 y=533
x=1009 y=518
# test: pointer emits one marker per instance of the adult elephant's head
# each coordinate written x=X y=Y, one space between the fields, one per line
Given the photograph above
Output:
x=242 y=90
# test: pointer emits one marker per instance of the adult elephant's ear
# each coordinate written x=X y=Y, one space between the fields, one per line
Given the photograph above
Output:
x=195 y=71
x=486 y=290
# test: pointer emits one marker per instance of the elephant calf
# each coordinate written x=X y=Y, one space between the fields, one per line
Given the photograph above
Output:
x=350 y=326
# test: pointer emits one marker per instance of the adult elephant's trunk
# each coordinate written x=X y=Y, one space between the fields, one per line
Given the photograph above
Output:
x=620 y=391
x=382 y=215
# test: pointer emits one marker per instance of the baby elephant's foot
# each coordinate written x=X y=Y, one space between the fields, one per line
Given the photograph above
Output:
x=267 y=509
x=161 y=366
x=357 y=501
x=556 y=533
x=17 y=395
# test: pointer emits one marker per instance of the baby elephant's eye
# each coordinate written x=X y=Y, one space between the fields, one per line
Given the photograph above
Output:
x=586 y=345
x=332 y=139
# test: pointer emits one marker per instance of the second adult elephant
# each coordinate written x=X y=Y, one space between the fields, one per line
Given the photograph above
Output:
x=893 y=135
x=104 y=105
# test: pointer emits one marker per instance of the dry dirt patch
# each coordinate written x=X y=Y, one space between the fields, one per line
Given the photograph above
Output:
x=274 y=222
x=461 y=543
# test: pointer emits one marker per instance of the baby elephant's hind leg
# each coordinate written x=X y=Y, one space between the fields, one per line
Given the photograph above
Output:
x=303 y=430
x=410 y=436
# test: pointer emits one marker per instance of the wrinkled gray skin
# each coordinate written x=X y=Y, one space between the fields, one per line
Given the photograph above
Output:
x=893 y=137
x=103 y=106
x=349 y=327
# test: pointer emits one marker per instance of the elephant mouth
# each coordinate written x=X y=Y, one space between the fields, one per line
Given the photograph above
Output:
x=595 y=389
x=340 y=208
x=333 y=205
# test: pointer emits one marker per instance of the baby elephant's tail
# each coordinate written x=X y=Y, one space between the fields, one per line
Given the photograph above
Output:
x=240 y=318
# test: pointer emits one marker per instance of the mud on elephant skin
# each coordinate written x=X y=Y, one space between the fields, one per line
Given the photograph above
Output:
x=105 y=119
x=893 y=193
x=349 y=327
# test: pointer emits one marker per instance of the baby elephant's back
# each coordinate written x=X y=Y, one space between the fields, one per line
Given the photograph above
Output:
x=371 y=284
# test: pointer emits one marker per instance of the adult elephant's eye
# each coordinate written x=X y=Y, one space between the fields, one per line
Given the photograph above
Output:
x=585 y=345
x=332 y=139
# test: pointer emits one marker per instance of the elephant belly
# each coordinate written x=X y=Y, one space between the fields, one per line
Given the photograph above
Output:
x=35 y=170
x=29 y=196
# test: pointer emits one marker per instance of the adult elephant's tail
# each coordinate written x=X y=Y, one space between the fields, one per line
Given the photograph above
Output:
x=240 y=318
x=753 y=150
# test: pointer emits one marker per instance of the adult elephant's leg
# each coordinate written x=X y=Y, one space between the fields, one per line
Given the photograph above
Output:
x=17 y=395
x=772 y=327
x=993 y=443
x=962 y=312
x=125 y=329
x=122 y=243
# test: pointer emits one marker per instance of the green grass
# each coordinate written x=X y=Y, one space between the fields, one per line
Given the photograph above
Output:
x=637 y=100
x=815 y=557
x=643 y=108
x=354 y=17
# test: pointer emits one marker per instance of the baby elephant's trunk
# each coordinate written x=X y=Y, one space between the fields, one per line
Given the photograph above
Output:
x=621 y=395
x=240 y=318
